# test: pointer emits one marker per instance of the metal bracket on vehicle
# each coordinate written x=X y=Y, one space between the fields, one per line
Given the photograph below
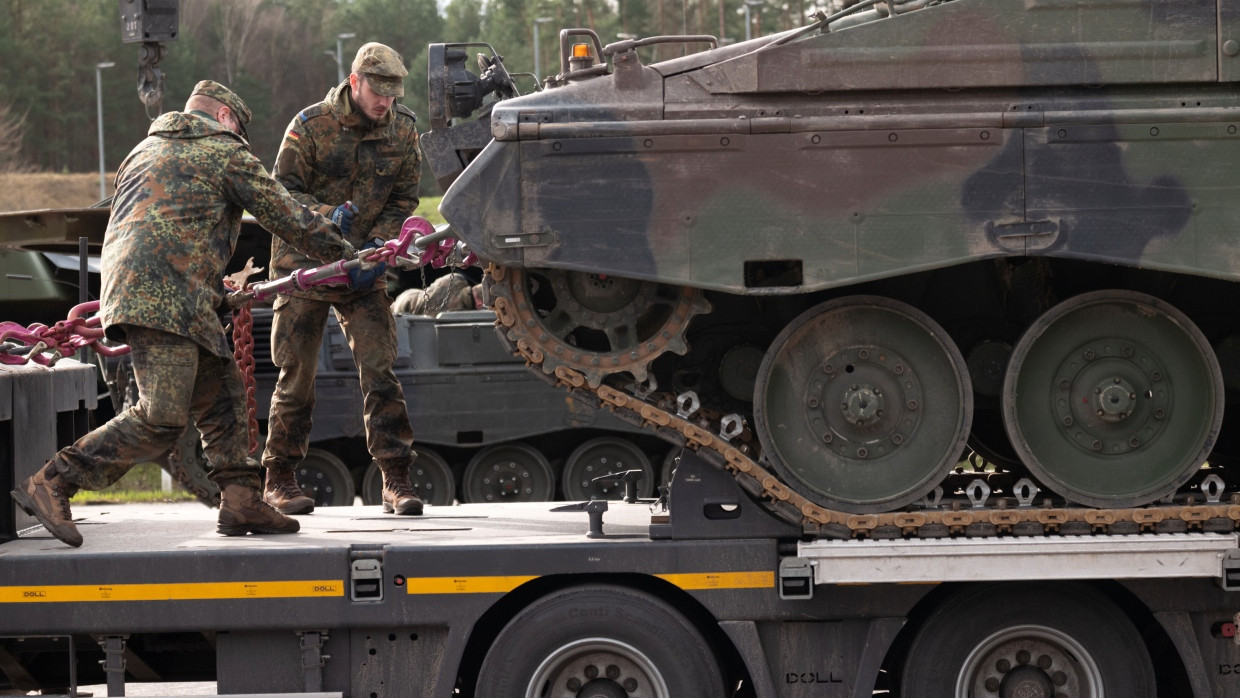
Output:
x=630 y=478
x=687 y=404
x=366 y=577
x=705 y=502
x=796 y=579
x=594 y=508
x=1230 y=579
x=113 y=663
x=1024 y=236
x=313 y=660
x=543 y=238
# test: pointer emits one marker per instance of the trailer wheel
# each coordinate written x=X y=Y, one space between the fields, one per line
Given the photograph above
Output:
x=600 y=641
x=1028 y=639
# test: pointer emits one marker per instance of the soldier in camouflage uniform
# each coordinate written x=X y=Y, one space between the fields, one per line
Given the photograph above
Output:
x=357 y=145
x=175 y=221
x=452 y=292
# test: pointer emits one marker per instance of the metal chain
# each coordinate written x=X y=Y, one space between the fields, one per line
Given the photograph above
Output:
x=21 y=345
x=711 y=442
x=243 y=354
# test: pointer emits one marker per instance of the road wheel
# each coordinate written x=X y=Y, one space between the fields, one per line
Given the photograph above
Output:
x=863 y=404
x=324 y=478
x=603 y=456
x=508 y=473
x=1113 y=399
x=1028 y=640
x=430 y=476
x=187 y=464
x=600 y=641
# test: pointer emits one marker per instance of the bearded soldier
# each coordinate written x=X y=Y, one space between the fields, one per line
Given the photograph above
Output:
x=356 y=145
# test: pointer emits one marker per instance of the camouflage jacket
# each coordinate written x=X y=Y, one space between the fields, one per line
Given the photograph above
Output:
x=332 y=153
x=175 y=220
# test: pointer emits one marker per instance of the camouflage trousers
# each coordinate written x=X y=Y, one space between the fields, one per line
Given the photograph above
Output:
x=296 y=334
x=178 y=380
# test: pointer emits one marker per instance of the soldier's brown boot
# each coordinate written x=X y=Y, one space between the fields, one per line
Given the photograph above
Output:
x=242 y=511
x=45 y=496
x=283 y=493
x=398 y=495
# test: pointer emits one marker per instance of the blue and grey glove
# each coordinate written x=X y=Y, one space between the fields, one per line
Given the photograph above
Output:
x=362 y=279
x=342 y=216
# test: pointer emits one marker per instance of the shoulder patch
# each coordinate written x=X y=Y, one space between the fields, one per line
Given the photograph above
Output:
x=310 y=112
x=402 y=109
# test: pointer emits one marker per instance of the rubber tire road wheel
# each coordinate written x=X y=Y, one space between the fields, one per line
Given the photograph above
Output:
x=628 y=637
x=973 y=636
x=603 y=456
x=187 y=464
x=430 y=476
x=1113 y=399
x=511 y=472
x=324 y=478
x=862 y=404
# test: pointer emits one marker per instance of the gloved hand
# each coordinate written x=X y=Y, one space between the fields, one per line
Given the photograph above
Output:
x=342 y=216
x=361 y=279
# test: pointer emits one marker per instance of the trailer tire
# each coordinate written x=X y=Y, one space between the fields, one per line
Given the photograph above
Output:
x=612 y=639
x=1060 y=639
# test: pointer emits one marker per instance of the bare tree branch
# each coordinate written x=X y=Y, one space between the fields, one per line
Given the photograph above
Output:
x=12 y=132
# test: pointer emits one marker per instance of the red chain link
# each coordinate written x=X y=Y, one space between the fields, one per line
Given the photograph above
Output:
x=243 y=354
x=21 y=345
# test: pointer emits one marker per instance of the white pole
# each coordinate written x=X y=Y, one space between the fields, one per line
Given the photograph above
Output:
x=340 y=55
x=99 y=103
x=537 y=68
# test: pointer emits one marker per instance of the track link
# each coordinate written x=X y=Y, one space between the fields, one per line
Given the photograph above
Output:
x=953 y=517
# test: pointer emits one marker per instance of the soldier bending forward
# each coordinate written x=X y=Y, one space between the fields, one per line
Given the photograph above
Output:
x=175 y=221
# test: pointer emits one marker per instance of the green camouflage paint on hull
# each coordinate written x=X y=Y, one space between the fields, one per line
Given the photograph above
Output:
x=1000 y=174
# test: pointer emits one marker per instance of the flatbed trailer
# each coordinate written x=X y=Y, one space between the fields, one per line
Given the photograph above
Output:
x=710 y=597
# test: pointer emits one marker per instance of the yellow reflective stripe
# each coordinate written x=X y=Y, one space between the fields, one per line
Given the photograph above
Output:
x=764 y=579
x=464 y=585
x=499 y=585
x=187 y=591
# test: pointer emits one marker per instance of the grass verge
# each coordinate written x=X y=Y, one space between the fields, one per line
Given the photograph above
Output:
x=143 y=483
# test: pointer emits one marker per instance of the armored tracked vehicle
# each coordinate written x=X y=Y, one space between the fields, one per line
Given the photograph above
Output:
x=910 y=252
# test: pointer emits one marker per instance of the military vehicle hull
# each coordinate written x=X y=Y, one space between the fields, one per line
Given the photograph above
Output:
x=1004 y=225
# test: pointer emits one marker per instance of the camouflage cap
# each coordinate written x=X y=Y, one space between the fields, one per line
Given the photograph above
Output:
x=382 y=67
x=216 y=91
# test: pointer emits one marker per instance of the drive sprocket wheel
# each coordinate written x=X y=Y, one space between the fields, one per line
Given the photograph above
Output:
x=598 y=324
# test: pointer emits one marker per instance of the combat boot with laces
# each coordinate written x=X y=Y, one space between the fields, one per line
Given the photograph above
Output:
x=283 y=493
x=398 y=495
x=242 y=511
x=45 y=496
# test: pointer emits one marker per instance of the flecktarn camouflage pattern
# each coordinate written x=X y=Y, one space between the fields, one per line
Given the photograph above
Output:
x=332 y=153
x=297 y=332
x=174 y=225
x=172 y=233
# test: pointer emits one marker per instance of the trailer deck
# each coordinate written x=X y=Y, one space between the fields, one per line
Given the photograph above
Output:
x=371 y=604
